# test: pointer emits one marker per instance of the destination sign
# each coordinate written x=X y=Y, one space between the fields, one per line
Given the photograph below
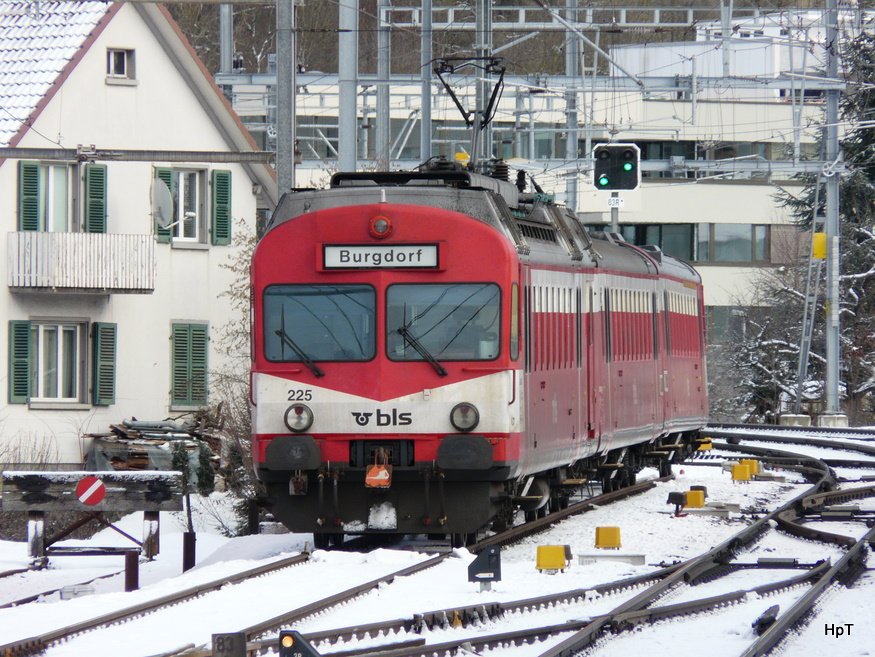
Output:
x=379 y=256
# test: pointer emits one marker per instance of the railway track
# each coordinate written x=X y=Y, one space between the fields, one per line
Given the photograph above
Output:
x=849 y=433
x=643 y=608
x=642 y=599
x=39 y=643
x=35 y=644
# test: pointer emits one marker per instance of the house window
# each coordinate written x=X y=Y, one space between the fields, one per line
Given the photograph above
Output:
x=188 y=354
x=45 y=189
x=49 y=193
x=187 y=206
x=56 y=368
x=48 y=361
x=183 y=206
x=120 y=64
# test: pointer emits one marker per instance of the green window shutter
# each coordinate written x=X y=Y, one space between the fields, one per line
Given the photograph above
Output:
x=19 y=362
x=198 y=359
x=189 y=365
x=103 y=341
x=221 y=206
x=164 y=175
x=95 y=198
x=28 y=195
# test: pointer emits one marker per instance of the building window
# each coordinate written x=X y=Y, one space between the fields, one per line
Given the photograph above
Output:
x=48 y=361
x=120 y=64
x=701 y=243
x=48 y=194
x=733 y=243
x=56 y=367
x=181 y=206
x=44 y=197
x=189 y=345
x=726 y=324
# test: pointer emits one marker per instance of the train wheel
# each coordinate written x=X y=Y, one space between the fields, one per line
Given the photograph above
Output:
x=463 y=540
x=321 y=541
x=530 y=515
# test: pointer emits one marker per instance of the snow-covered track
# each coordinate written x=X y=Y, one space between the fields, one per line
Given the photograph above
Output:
x=636 y=601
x=844 y=572
x=42 y=595
x=751 y=430
x=39 y=643
x=532 y=527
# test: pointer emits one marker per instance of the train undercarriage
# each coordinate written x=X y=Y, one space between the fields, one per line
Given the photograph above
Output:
x=333 y=503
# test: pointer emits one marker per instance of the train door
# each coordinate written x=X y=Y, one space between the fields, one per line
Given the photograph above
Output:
x=599 y=370
x=665 y=373
x=658 y=359
x=584 y=349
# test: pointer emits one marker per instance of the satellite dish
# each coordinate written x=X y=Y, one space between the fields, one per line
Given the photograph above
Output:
x=162 y=203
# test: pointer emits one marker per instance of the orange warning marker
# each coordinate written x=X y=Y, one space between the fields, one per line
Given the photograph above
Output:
x=378 y=476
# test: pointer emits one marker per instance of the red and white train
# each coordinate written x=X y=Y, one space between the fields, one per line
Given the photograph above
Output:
x=434 y=350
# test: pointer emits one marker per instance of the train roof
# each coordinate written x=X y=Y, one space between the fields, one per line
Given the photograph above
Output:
x=541 y=230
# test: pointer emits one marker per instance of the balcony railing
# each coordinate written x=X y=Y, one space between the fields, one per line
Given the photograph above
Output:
x=81 y=262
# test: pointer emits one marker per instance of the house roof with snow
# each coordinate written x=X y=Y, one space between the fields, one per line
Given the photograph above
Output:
x=42 y=42
x=38 y=42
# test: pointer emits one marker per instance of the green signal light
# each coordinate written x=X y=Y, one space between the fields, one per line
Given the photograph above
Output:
x=628 y=166
x=603 y=181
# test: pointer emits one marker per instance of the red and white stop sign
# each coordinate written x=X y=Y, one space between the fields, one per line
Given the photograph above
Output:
x=90 y=490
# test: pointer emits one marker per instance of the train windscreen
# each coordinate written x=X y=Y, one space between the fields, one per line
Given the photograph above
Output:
x=444 y=322
x=304 y=323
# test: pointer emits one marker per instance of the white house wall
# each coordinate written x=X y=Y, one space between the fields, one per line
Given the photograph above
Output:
x=159 y=113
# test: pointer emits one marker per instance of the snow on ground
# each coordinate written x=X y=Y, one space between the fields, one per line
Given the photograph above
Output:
x=647 y=526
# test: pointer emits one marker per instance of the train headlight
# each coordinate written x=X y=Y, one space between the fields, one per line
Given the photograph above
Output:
x=464 y=416
x=298 y=417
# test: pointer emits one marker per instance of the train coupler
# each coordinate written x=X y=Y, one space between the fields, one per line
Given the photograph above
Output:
x=298 y=483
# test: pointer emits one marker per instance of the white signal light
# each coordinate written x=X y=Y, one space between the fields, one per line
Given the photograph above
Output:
x=464 y=416
x=298 y=417
x=380 y=227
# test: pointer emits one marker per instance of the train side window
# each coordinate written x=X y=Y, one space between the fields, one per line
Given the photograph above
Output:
x=606 y=311
x=667 y=311
x=578 y=333
x=527 y=327
x=514 y=321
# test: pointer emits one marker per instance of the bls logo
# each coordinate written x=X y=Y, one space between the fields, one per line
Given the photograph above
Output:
x=393 y=419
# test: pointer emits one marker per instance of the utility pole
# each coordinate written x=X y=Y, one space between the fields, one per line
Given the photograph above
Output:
x=347 y=77
x=425 y=71
x=831 y=134
x=483 y=50
x=572 y=68
x=286 y=71
x=226 y=37
x=383 y=120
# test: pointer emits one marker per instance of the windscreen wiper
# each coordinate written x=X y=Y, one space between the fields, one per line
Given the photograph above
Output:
x=300 y=353
x=405 y=333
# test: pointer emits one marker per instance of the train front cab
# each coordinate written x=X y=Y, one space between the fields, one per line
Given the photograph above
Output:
x=414 y=368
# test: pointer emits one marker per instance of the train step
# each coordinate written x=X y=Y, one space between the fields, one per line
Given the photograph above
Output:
x=573 y=482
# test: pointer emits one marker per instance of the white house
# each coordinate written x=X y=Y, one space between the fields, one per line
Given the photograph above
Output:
x=105 y=313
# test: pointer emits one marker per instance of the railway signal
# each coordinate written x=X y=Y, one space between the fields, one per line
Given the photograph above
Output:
x=292 y=644
x=617 y=166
